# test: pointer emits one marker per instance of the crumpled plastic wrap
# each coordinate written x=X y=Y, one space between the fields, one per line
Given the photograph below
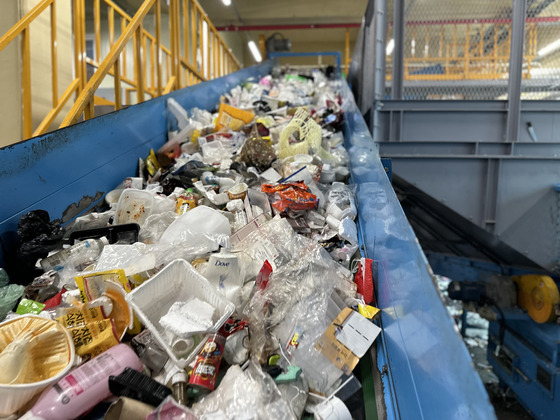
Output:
x=250 y=394
x=154 y=226
x=32 y=349
x=293 y=304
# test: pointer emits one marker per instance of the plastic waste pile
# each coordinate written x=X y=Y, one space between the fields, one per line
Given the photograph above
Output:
x=223 y=280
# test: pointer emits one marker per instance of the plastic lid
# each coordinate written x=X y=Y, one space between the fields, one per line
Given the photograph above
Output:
x=104 y=240
x=179 y=377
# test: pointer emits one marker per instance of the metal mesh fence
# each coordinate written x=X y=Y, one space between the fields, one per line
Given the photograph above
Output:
x=454 y=49
x=541 y=76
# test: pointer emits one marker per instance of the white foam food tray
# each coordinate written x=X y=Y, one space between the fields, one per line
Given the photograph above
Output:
x=177 y=282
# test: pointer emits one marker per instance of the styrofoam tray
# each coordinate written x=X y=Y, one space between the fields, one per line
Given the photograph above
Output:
x=177 y=282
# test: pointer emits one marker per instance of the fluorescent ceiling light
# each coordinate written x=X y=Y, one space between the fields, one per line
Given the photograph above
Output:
x=390 y=46
x=226 y=2
x=549 y=48
x=255 y=51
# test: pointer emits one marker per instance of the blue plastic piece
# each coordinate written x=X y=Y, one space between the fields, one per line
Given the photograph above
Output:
x=426 y=369
x=83 y=162
x=336 y=54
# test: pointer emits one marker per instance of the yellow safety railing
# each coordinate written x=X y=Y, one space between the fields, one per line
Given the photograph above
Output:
x=451 y=52
x=196 y=53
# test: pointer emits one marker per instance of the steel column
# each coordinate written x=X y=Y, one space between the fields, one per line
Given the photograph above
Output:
x=398 y=50
x=515 y=70
x=380 y=18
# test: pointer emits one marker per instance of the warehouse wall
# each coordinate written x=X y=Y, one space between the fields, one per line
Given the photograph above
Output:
x=10 y=83
x=41 y=85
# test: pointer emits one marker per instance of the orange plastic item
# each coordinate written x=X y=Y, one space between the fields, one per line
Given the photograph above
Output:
x=291 y=195
x=232 y=118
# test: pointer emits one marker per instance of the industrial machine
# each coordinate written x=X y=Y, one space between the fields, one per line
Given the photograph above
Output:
x=523 y=336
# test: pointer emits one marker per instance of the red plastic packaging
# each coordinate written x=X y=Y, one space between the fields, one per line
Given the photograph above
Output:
x=364 y=280
x=291 y=195
x=205 y=372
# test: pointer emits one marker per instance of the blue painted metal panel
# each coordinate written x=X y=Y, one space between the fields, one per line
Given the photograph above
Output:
x=429 y=373
x=528 y=363
x=53 y=171
x=466 y=269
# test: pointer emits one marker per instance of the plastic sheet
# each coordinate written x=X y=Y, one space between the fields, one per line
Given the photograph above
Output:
x=249 y=394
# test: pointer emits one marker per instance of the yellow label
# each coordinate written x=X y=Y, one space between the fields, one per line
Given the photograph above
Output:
x=185 y=204
x=232 y=118
x=77 y=317
x=368 y=311
x=94 y=338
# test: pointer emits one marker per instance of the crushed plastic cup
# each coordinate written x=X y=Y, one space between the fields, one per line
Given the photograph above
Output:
x=134 y=206
x=332 y=409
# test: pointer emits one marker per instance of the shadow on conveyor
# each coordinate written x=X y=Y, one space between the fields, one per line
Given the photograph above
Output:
x=441 y=230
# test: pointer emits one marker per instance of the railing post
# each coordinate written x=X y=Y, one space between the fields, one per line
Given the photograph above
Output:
x=398 y=50
x=178 y=42
x=97 y=28
x=111 y=21
x=117 y=78
x=82 y=26
x=77 y=43
x=138 y=65
x=186 y=32
x=26 y=84
x=123 y=27
x=54 y=57
x=193 y=27
x=158 y=47
x=515 y=70
x=173 y=38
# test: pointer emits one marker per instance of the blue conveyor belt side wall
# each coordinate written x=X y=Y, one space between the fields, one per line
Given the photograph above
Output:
x=73 y=168
x=429 y=373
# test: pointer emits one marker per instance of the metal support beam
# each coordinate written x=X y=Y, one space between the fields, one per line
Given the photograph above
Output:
x=380 y=19
x=368 y=60
x=398 y=50
x=515 y=70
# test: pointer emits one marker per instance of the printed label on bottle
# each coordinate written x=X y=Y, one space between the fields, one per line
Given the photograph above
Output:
x=86 y=376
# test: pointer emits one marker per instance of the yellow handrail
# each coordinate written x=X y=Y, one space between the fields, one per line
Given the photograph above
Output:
x=197 y=54
x=468 y=59
x=87 y=94
x=23 y=23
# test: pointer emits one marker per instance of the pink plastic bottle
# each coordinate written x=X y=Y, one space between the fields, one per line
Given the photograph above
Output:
x=84 y=387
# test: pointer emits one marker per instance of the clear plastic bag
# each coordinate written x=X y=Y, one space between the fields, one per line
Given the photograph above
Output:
x=248 y=394
x=154 y=226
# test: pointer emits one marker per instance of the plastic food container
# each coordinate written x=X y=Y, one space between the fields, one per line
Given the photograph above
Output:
x=177 y=282
x=134 y=206
x=15 y=396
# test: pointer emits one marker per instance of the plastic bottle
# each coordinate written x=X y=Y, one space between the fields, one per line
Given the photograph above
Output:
x=81 y=253
x=237 y=207
x=84 y=387
x=223 y=272
x=210 y=178
x=179 y=387
x=205 y=372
